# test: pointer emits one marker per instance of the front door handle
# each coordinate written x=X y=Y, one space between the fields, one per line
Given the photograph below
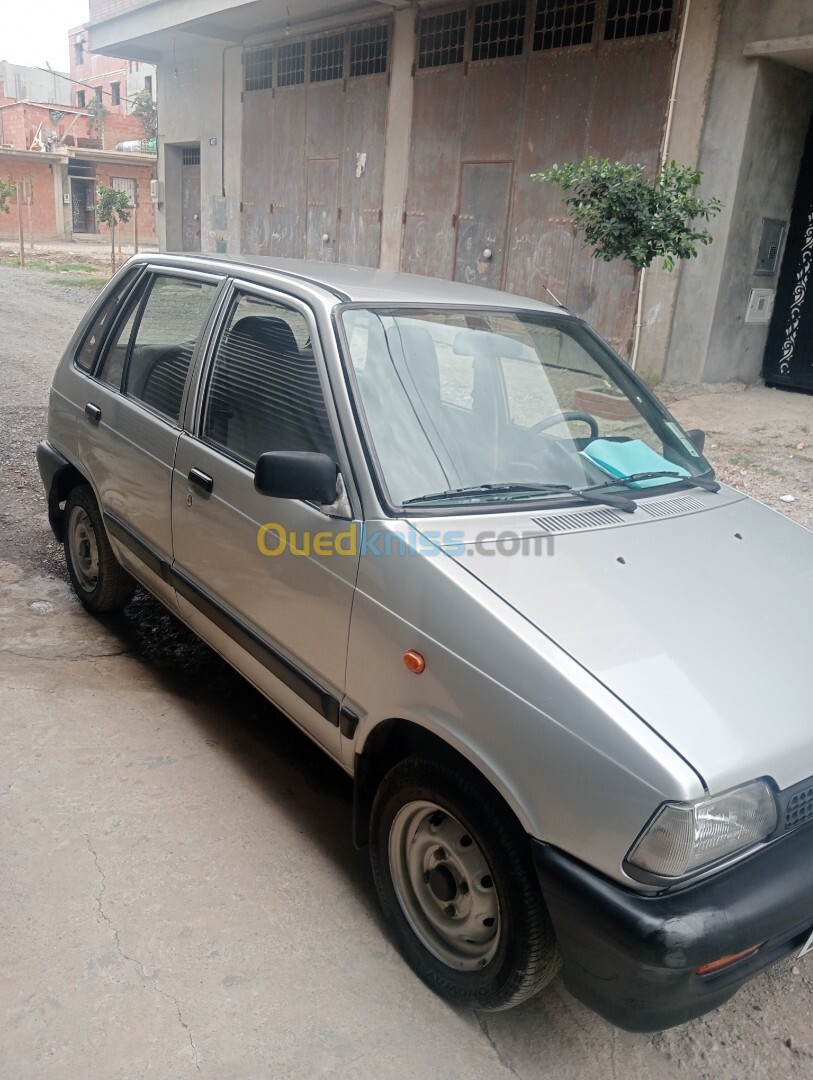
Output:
x=202 y=480
x=93 y=413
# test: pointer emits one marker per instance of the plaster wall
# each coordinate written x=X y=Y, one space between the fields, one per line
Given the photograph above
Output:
x=751 y=148
x=190 y=96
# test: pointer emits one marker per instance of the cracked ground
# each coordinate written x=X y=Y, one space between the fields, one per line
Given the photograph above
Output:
x=179 y=894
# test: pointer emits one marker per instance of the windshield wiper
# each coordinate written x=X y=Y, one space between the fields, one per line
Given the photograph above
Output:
x=487 y=489
x=619 y=501
x=708 y=483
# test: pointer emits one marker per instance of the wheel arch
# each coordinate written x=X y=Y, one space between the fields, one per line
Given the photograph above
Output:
x=61 y=477
x=389 y=742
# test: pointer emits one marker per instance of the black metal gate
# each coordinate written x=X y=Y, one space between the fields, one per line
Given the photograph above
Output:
x=789 y=351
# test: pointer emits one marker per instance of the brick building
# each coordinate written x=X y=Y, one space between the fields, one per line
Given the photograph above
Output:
x=113 y=81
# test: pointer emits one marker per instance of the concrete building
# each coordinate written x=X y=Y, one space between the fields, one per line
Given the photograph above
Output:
x=113 y=80
x=21 y=83
x=404 y=134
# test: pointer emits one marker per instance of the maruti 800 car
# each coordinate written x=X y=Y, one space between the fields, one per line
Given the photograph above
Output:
x=455 y=539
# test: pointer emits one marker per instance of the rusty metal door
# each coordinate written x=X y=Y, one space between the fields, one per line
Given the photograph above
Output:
x=482 y=222
x=190 y=198
x=322 y=239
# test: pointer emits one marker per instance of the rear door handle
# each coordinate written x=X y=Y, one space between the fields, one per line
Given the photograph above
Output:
x=201 y=479
x=93 y=413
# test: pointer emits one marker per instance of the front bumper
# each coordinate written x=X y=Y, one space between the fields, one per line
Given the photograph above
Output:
x=633 y=958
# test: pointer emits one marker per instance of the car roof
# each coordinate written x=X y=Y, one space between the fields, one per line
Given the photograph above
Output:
x=356 y=284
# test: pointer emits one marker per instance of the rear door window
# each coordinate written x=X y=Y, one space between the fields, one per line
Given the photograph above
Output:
x=150 y=354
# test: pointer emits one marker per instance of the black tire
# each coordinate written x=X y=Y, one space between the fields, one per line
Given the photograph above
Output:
x=98 y=579
x=482 y=856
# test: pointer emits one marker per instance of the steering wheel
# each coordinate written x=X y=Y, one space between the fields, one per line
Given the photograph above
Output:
x=563 y=417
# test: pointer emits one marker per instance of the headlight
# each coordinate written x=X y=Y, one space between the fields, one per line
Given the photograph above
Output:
x=684 y=837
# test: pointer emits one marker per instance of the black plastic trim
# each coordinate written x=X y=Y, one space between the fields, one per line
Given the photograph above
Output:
x=348 y=722
x=274 y=661
x=633 y=958
x=311 y=692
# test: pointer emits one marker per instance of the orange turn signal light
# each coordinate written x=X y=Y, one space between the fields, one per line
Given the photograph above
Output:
x=726 y=961
x=414 y=662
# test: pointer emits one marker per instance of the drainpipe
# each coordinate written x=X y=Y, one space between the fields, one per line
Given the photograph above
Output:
x=667 y=131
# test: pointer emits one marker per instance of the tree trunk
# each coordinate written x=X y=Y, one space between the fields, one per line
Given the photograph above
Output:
x=113 y=247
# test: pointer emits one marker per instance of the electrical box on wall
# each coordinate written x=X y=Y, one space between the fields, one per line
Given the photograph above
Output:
x=157 y=191
x=760 y=306
x=770 y=244
x=66 y=198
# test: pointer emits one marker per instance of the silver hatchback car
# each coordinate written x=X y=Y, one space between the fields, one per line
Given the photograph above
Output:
x=454 y=538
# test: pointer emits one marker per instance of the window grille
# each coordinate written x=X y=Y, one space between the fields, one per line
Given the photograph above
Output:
x=369 y=48
x=635 y=18
x=563 y=22
x=327 y=58
x=125 y=184
x=498 y=30
x=291 y=64
x=190 y=155
x=442 y=39
x=257 y=69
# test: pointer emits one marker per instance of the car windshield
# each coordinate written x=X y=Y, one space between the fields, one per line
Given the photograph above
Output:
x=467 y=407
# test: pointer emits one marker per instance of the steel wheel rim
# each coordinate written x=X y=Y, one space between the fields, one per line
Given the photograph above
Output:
x=444 y=885
x=84 y=549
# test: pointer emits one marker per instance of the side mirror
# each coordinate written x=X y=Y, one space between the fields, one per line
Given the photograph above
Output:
x=697 y=438
x=297 y=475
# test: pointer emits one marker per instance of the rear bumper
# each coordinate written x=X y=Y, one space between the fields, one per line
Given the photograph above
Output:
x=633 y=958
x=52 y=466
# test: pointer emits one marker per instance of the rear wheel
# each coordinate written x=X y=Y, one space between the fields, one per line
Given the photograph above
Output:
x=99 y=580
x=455 y=879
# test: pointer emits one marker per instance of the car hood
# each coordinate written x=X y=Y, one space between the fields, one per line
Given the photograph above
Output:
x=701 y=623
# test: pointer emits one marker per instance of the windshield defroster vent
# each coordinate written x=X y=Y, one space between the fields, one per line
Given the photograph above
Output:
x=578 y=520
x=662 y=508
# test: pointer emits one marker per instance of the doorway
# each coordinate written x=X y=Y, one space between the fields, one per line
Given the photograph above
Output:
x=83 y=198
x=789 y=350
x=190 y=198
x=482 y=222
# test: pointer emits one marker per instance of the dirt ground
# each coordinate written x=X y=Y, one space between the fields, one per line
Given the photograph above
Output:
x=178 y=889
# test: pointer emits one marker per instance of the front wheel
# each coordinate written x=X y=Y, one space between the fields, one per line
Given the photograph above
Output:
x=98 y=579
x=455 y=880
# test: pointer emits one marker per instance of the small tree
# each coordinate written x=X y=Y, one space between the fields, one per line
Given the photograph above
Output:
x=147 y=111
x=6 y=191
x=112 y=209
x=98 y=115
x=623 y=214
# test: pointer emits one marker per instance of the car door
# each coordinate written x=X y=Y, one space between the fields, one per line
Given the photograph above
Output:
x=132 y=417
x=269 y=582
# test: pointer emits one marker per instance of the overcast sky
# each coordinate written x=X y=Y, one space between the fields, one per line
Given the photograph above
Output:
x=35 y=32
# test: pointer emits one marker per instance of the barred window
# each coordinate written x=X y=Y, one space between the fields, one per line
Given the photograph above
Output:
x=563 y=22
x=498 y=30
x=291 y=64
x=258 y=69
x=327 y=58
x=369 y=48
x=190 y=155
x=442 y=39
x=127 y=185
x=635 y=18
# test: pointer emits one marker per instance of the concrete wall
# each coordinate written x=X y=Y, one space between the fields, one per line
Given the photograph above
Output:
x=23 y=83
x=683 y=145
x=756 y=120
x=190 y=95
